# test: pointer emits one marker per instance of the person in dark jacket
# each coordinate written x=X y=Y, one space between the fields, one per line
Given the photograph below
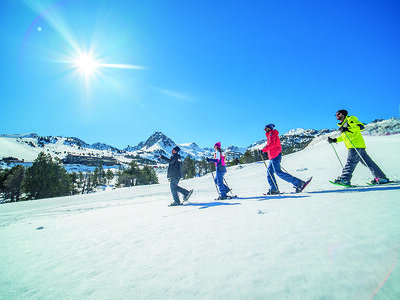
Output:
x=174 y=174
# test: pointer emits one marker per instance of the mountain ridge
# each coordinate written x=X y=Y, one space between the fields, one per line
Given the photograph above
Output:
x=27 y=146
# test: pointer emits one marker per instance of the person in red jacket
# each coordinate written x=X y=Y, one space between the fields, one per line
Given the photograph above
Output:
x=274 y=151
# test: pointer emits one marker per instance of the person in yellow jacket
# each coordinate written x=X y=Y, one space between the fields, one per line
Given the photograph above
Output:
x=351 y=129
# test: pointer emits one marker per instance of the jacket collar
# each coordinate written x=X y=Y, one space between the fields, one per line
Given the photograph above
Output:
x=343 y=122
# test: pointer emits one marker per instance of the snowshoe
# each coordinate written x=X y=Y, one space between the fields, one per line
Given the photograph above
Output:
x=302 y=185
x=380 y=181
x=186 y=197
x=341 y=182
x=273 y=192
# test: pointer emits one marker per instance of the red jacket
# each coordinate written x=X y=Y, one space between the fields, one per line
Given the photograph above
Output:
x=273 y=147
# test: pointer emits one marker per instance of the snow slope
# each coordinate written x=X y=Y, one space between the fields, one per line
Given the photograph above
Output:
x=326 y=243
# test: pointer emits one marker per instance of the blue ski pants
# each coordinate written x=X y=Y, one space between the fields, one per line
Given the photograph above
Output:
x=219 y=181
x=274 y=166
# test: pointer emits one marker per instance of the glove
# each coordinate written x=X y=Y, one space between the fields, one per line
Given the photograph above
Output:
x=207 y=159
x=343 y=129
x=331 y=140
x=260 y=152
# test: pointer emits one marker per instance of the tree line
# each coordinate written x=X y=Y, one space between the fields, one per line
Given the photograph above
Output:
x=192 y=168
x=48 y=178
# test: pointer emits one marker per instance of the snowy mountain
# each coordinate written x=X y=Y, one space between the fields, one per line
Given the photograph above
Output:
x=294 y=140
x=159 y=144
x=27 y=135
x=102 y=146
x=325 y=243
x=383 y=127
x=27 y=146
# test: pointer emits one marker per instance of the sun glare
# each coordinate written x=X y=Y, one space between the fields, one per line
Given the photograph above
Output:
x=86 y=64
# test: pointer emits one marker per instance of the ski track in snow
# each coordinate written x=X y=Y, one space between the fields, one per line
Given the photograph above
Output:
x=325 y=243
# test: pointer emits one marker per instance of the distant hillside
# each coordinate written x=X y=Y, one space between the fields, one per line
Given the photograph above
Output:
x=27 y=146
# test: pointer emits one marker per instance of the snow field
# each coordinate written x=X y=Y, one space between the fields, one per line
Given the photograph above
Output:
x=326 y=243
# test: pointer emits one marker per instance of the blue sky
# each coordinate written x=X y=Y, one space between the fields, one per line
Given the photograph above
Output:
x=201 y=71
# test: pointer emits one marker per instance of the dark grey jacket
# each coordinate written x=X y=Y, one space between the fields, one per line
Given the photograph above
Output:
x=175 y=166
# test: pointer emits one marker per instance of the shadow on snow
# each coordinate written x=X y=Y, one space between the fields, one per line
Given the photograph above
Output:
x=358 y=189
x=210 y=204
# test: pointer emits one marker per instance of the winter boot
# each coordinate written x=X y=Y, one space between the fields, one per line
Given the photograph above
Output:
x=187 y=196
x=342 y=181
x=273 y=192
x=300 y=186
x=380 y=181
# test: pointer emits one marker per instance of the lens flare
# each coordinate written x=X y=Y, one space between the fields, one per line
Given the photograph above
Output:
x=86 y=64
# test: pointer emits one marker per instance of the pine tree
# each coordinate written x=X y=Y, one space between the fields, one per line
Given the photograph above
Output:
x=13 y=183
x=46 y=178
x=189 y=167
x=247 y=157
x=203 y=167
x=75 y=183
x=81 y=182
x=148 y=176
x=3 y=177
x=96 y=177
x=125 y=180
x=109 y=176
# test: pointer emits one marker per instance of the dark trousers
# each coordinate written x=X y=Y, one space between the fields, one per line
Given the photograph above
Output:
x=275 y=167
x=352 y=160
x=175 y=189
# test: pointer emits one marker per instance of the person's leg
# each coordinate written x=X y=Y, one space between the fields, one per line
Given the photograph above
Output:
x=182 y=190
x=271 y=177
x=174 y=189
x=285 y=176
x=220 y=183
x=352 y=160
x=372 y=166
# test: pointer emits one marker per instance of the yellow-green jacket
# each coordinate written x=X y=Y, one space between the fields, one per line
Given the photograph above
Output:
x=354 y=137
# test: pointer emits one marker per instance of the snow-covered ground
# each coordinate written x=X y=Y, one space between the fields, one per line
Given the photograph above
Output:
x=326 y=243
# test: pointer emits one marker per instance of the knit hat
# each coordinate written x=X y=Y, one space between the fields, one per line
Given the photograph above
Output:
x=270 y=126
x=177 y=149
x=343 y=112
x=218 y=145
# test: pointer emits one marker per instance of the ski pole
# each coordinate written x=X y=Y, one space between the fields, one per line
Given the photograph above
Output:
x=228 y=187
x=337 y=156
x=362 y=159
x=273 y=179
x=212 y=173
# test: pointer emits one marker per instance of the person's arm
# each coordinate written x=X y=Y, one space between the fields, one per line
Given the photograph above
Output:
x=165 y=158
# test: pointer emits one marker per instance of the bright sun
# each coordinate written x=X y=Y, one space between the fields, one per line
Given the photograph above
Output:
x=86 y=64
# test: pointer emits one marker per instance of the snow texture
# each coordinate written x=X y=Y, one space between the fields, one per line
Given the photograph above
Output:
x=326 y=243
